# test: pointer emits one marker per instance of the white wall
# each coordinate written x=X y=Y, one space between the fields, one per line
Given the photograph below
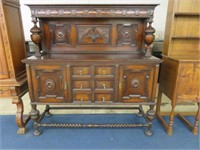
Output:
x=159 y=16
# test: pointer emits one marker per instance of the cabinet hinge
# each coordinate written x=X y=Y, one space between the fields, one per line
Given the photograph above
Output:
x=65 y=86
x=120 y=85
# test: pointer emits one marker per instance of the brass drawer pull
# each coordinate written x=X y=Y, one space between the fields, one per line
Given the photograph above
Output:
x=80 y=72
x=104 y=72
x=103 y=98
x=135 y=83
x=81 y=87
x=104 y=86
x=81 y=99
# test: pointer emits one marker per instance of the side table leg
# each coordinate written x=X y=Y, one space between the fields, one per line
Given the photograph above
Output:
x=21 y=122
x=171 y=121
x=158 y=102
x=196 y=124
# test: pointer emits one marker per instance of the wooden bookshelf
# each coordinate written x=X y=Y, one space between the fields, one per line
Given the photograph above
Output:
x=180 y=70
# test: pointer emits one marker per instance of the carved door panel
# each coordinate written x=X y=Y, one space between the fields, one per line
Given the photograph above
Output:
x=49 y=84
x=189 y=81
x=135 y=83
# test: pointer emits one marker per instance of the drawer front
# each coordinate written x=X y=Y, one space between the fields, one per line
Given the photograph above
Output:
x=82 y=97
x=81 y=85
x=104 y=71
x=49 y=84
x=81 y=71
x=103 y=97
x=136 y=83
x=189 y=81
x=104 y=85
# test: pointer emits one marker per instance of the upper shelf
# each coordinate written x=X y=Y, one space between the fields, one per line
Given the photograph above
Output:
x=187 y=14
x=186 y=37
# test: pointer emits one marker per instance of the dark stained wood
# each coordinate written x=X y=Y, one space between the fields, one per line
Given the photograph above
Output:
x=93 y=57
x=13 y=82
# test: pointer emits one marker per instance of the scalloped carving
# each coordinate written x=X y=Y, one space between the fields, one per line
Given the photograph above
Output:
x=97 y=12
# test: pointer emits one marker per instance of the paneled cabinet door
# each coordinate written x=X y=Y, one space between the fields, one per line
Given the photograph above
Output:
x=189 y=81
x=135 y=83
x=49 y=84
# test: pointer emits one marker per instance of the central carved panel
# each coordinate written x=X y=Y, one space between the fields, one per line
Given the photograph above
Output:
x=93 y=34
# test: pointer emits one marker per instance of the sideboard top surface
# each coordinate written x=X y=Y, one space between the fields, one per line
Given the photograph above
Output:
x=92 y=58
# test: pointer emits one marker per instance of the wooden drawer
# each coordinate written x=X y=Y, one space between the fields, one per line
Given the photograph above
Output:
x=82 y=97
x=103 y=97
x=81 y=85
x=104 y=71
x=105 y=85
x=81 y=71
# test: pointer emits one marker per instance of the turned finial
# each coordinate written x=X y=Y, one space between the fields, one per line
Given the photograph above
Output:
x=36 y=36
x=149 y=37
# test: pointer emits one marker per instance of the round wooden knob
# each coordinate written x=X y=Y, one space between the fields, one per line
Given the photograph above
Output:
x=49 y=84
x=135 y=83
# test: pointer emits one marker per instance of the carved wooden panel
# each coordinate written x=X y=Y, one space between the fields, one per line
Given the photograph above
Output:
x=5 y=91
x=93 y=34
x=60 y=34
x=49 y=84
x=126 y=34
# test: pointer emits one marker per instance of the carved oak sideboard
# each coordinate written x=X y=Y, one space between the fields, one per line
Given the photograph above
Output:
x=92 y=56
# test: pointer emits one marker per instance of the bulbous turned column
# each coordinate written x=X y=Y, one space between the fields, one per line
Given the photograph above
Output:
x=149 y=38
x=36 y=36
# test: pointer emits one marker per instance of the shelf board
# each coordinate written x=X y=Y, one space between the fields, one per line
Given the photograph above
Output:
x=187 y=14
x=186 y=37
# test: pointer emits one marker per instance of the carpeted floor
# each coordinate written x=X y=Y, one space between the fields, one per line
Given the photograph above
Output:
x=95 y=138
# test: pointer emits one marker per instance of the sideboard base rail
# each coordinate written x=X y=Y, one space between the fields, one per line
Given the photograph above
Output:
x=148 y=116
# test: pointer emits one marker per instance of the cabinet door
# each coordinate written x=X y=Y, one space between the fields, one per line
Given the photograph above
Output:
x=49 y=84
x=135 y=83
x=189 y=81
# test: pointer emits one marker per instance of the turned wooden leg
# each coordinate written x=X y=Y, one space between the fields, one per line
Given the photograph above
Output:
x=150 y=116
x=48 y=114
x=158 y=102
x=196 y=123
x=140 y=114
x=35 y=116
x=171 y=121
x=20 y=120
